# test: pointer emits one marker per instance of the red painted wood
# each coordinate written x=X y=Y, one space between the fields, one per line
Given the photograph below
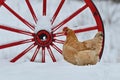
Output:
x=57 y=11
x=51 y=54
x=16 y=43
x=44 y=7
x=77 y=31
x=95 y=14
x=89 y=4
x=98 y=21
x=69 y=18
x=59 y=41
x=59 y=34
x=23 y=53
x=43 y=54
x=2 y=2
x=35 y=53
x=19 y=17
x=31 y=10
x=86 y=29
x=16 y=30
x=55 y=47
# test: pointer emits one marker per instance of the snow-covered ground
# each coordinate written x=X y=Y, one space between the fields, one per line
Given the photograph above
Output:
x=106 y=69
x=58 y=71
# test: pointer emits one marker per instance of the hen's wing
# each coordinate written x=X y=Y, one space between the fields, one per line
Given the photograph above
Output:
x=86 y=57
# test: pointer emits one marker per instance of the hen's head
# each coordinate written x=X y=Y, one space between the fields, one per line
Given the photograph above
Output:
x=66 y=30
x=70 y=33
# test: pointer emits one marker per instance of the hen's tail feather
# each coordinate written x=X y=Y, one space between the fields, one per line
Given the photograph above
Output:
x=99 y=34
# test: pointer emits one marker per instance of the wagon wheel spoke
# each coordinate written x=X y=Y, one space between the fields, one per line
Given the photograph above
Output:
x=57 y=11
x=44 y=7
x=2 y=2
x=31 y=11
x=51 y=54
x=77 y=31
x=43 y=54
x=16 y=43
x=23 y=53
x=98 y=20
x=69 y=18
x=58 y=41
x=58 y=34
x=35 y=53
x=16 y=30
x=86 y=29
x=19 y=17
x=55 y=47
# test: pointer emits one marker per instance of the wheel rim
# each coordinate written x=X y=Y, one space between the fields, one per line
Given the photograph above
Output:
x=43 y=39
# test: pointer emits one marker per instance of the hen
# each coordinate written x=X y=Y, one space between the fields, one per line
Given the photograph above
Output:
x=81 y=53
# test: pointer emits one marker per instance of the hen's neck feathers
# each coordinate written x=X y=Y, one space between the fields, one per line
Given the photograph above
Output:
x=71 y=36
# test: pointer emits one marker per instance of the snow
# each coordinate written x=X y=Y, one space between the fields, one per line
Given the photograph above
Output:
x=58 y=71
x=106 y=69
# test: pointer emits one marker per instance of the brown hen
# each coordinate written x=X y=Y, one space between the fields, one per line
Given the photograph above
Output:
x=81 y=53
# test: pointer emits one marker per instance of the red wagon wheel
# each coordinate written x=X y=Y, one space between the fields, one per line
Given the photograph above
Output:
x=42 y=38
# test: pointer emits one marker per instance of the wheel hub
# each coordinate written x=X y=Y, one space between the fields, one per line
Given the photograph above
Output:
x=43 y=38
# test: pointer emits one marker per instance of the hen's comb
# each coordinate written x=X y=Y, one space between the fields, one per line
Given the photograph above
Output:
x=65 y=28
